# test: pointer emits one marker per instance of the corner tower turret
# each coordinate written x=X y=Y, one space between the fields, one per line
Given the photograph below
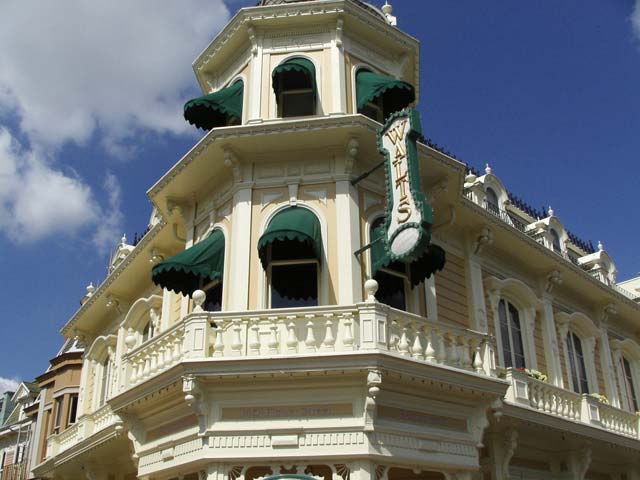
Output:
x=310 y=51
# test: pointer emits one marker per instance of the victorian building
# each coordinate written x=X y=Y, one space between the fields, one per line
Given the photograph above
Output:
x=266 y=323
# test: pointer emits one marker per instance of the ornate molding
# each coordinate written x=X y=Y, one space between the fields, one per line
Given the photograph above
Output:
x=194 y=397
x=351 y=153
x=483 y=238
x=553 y=279
x=374 y=380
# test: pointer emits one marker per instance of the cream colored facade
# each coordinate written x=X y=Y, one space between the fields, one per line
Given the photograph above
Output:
x=351 y=388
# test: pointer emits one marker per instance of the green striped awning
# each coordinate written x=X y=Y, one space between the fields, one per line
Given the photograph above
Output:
x=395 y=94
x=216 y=109
x=296 y=65
x=184 y=272
x=295 y=224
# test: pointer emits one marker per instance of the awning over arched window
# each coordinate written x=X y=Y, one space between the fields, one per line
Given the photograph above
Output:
x=431 y=260
x=395 y=94
x=186 y=271
x=297 y=64
x=294 y=224
x=216 y=109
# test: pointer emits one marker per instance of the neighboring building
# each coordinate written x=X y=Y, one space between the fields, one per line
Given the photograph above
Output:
x=6 y=406
x=57 y=407
x=16 y=434
x=242 y=337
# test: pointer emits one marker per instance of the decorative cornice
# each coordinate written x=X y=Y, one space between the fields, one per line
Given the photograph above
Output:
x=266 y=128
x=252 y=16
x=104 y=286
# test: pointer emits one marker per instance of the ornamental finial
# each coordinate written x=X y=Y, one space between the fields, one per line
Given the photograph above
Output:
x=487 y=169
x=90 y=289
x=600 y=246
x=551 y=212
x=387 y=9
x=123 y=240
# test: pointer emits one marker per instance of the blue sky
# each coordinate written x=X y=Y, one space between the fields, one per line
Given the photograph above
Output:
x=546 y=92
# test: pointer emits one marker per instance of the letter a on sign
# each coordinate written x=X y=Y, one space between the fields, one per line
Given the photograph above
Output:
x=409 y=215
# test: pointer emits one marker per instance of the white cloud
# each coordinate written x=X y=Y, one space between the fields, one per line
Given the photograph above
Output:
x=8 y=384
x=85 y=72
x=69 y=67
x=36 y=199
x=635 y=18
x=110 y=225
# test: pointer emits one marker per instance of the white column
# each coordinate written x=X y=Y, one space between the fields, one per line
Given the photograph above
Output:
x=608 y=367
x=255 y=83
x=338 y=77
x=550 y=339
x=84 y=388
x=165 y=314
x=348 y=241
x=362 y=470
x=475 y=287
x=184 y=302
x=240 y=246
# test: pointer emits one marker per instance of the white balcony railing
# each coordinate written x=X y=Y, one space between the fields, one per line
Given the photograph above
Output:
x=530 y=392
x=309 y=331
x=82 y=429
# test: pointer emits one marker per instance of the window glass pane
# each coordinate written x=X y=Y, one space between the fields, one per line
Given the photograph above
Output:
x=572 y=363
x=391 y=290
x=290 y=250
x=295 y=80
x=58 y=412
x=294 y=285
x=504 y=333
x=631 y=391
x=492 y=200
x=516 y=337
x=297 y=104
x=213 y=300
x=582 y=371
x=73 y=409
x=374 y=110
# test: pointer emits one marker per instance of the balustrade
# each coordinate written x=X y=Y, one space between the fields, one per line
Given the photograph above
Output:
x=158 y=354
x=83 y=428
x=552 y=400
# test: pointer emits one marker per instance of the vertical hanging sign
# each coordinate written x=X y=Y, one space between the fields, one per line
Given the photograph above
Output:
x=409 y=215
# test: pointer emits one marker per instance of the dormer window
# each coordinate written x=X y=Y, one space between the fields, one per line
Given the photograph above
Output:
x=294 y=83
x=555 y=241
x=493 y=205
x=378 y=96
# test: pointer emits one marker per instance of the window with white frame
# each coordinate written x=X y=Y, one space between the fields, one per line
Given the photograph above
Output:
x=393 y=281
x=628 y=387
x=577 y=363
x=73 y=409
x=511 y=335
x=58 y=418
x=148 y=331
x=292 y=275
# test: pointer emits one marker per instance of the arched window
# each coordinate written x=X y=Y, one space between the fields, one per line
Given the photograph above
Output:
x=290 y=252
x=555 y=241
x=493 y=205
x=511 y=335
x=579 y=378
x=198 y=267
x=628 y=386
x=105 y=379
x=378 y=96
x=392 y=278
x=294 y=83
